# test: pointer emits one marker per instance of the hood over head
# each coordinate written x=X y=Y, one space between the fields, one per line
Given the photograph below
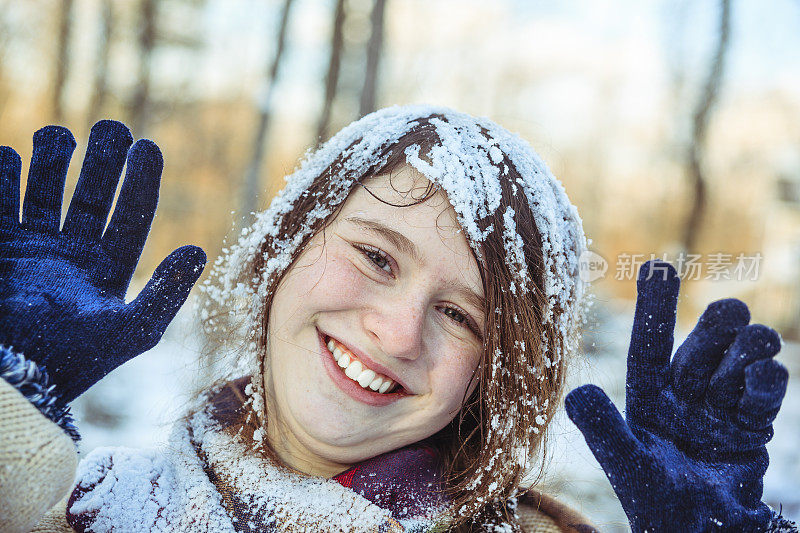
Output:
x=469 y=162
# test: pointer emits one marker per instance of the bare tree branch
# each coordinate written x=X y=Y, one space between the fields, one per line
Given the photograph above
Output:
x=62 y=58
x=6 y=33
x=140 y=105
x=374 y=48
x=101 y=62
x=251 y=187
x=697 y=148
x=332 y=78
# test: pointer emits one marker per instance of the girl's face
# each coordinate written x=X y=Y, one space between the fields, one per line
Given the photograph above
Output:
x=386 y=298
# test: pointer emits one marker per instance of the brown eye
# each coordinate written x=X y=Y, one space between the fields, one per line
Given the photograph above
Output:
x=455 y=314
x=378 y=259
x=376 y=256
x=462 y=319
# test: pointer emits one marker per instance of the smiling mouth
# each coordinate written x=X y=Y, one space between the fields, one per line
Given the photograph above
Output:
x=358 y=372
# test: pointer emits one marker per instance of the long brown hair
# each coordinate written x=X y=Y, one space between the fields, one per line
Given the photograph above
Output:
x=487 y=446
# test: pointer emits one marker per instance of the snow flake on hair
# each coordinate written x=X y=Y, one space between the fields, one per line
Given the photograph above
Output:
x=513 y=246
x=468 y=162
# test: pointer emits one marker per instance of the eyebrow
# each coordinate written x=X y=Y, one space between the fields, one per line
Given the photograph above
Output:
x=398 y=240
x=470 y=296
x=405 y=245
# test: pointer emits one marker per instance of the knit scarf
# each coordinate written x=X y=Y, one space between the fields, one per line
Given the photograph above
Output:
x=208 y=479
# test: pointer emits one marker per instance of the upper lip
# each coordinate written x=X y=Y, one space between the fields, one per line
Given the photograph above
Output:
x=369 y=362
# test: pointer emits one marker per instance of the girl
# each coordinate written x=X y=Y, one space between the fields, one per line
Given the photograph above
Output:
x=393 y=334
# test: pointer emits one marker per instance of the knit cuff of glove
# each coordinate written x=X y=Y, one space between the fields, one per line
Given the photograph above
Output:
x=33 y=383
x=779 y=524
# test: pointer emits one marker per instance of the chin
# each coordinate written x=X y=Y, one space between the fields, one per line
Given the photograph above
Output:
x=336 y=437
x=335 y=445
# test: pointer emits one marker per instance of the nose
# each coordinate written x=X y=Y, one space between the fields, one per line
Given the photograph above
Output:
x=397 y=328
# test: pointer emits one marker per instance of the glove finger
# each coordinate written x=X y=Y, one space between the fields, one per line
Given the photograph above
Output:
x=701 y=352
x=52 y=150
x=10 y=167
x=652 y=336
x=753 y=342
x=129 y=225
x=765 y=387
x=105 y=156
x=607 y=434
x=155 y=307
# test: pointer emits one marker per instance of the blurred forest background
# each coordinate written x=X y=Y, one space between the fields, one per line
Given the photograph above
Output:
x=674 y=125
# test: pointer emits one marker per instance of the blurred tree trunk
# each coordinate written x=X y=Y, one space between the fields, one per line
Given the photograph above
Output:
x=6 y=31
x=101 y=62
x=374 y=48
x=140 y=103
x=65 y=14
x=251 y=182
x=332 y=78
x=700 y=119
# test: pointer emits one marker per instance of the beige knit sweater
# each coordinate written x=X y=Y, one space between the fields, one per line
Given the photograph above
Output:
x=38 y=463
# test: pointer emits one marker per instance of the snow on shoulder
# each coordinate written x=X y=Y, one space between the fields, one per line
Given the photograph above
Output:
x=204 y=474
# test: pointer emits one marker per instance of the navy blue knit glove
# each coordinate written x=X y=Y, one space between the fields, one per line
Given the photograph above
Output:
x=62 y=292
x=690 y=454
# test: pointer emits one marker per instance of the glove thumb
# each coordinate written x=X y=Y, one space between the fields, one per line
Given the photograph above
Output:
x=608 y=436
x=158 y=303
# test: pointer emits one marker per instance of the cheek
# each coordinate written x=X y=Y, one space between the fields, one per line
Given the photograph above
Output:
x=339 y=280
x=329 y=275
x=454 y=375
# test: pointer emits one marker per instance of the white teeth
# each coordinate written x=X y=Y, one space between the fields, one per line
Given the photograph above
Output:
x=376 y=384
x=354 y=370
x=366 y=377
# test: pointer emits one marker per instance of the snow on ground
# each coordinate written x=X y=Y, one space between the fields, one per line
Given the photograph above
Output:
x=136 y=405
